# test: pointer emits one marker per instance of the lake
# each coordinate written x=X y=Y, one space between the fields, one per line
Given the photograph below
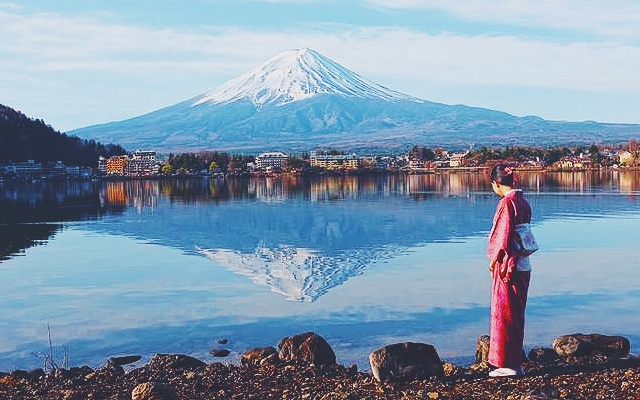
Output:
x=143 y=267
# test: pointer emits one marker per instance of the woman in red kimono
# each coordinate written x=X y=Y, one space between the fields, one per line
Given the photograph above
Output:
x=510 y=274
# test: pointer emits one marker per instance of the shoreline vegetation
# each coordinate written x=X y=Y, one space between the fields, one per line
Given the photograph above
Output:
x=145 y=164
x=304 y=367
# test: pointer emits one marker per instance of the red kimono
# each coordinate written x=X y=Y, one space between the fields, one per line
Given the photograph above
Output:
x=510 y=286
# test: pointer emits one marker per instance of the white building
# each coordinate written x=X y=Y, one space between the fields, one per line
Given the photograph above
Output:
x=456 y=159
x=148 y=155
x=142 y=163
x=102 y=165
x=274 y=159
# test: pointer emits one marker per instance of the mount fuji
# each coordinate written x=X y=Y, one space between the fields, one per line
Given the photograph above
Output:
x=299 y=100
x=295 y=76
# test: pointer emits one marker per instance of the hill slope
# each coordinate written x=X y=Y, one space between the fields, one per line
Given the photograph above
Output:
x=23 y=138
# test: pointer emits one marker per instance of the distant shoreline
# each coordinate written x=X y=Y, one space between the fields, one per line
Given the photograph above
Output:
x=330 y=173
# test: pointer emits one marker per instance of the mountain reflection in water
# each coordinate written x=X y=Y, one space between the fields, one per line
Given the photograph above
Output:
x=366 y=261
x=296 y=273
x=301 y=237
x=298 y=236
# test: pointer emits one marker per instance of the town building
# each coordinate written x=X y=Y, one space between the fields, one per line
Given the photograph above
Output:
x=25 y=170
x=337 y=161
x=54 y=171
x=102 y=165
x=417 y=164
x=148 y=155
x=142 y=163
x=274 y=159
x=117 y=165
x=627 y=158
x=457 y=159
x=78 y=172
x=32 y=170
x=573 y=163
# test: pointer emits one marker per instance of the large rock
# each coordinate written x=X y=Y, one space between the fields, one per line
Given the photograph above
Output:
x=405 y=361
x=220 y=352
x=569 y=345
x=124 y=360
x=546 y=392
x=542 y=354
x=174 y=361
x=306 y=348
x=153 y=391
x=259 y=356
x=578 y=344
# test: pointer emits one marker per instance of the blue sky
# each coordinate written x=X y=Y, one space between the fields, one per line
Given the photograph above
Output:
x=79 y=63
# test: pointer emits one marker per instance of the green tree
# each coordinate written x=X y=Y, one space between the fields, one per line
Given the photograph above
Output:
x=552 y=155
x=167 y=169
x=594 y=154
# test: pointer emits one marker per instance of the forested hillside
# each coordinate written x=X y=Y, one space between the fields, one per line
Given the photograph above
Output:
x=23 y=138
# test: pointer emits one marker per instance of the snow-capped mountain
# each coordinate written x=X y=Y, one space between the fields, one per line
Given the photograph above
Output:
x=300 y=100
x=298 y=75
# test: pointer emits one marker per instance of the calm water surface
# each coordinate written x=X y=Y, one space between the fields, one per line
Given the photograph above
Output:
x=145 y=267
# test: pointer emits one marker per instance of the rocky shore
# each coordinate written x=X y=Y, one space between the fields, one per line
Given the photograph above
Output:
x=304 y=367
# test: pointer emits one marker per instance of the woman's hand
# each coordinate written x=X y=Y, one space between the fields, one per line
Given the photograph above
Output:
x=496 y=262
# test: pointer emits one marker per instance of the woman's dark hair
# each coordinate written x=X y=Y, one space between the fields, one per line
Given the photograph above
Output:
x=503 y=174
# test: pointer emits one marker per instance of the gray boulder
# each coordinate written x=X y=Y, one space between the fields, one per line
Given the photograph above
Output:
x=220 y=352
x=579 y=344
x=405 y=362
x=306 y=348
x=174 y=361
x=546 y=392
x=542 y=354
x=124 y=360
x=153 y=391
x=259 y=356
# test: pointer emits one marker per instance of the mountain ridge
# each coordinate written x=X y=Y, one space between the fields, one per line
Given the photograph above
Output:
x=300 y=100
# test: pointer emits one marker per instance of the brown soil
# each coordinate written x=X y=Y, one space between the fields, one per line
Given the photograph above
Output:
x=589 y=379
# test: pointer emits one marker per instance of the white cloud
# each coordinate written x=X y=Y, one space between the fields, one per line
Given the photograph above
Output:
x=47 y=42
x=118 y=71
x=283 y=1
x=618 y=18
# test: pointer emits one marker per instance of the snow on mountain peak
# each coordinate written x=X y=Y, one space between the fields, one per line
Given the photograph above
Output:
x=297 y=75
